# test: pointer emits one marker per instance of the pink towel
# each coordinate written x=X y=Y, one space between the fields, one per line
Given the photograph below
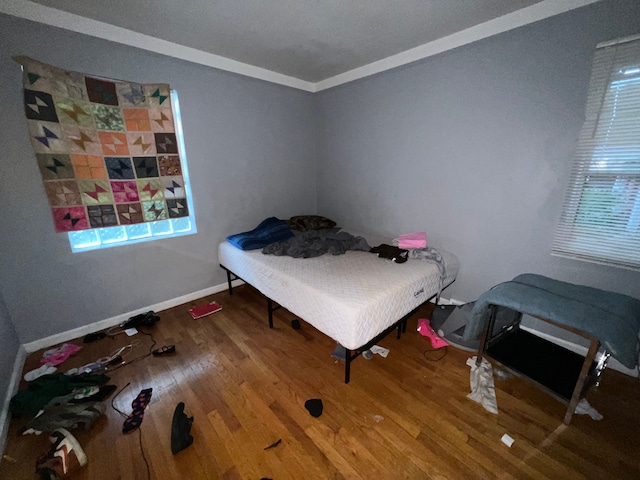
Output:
x=412 y=240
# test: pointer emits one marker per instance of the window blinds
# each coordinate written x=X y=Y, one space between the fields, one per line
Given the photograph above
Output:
x=600 y=221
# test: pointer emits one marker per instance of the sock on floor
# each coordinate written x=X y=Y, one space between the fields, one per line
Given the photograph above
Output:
x=46 y=369
x=314 y=406
x=134 y=420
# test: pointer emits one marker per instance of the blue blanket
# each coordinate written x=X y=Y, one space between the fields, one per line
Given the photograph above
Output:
x=269 y=231
x=611 y=317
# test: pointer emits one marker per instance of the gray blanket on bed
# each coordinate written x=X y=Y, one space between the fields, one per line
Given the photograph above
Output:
x=314 y=243
x=611 y=317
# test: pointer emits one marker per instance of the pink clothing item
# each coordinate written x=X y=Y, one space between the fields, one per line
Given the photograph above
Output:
x=55 y=356
x=413 y=240
x=425 y=329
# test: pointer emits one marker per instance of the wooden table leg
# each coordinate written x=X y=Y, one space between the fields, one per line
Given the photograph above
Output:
x=584 y=372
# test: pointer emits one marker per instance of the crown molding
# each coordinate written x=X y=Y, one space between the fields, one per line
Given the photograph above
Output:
x=519 y=18
x=75 y=23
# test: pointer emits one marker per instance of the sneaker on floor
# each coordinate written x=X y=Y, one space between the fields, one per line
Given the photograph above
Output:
x=65 y=456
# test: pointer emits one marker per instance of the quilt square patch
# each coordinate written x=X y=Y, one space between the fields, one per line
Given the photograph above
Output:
x=82 y=140
x=177 y=207
x=161 y=119
x=145 y=167
x=169 y=165
x=95 y=192
x=101 y=91
x=40 y=106
x=150 y=189
x=55 y=166
x=157 y=95
x=119 y=168
x=154 y=211
x=47 y=137
x=63 y=193
x=136 y=119
x=113 y=143
x=101 y=216
x=70 y=219
x=89 y=167
x=131 y=95
x=166 y=143
x=141 y=143
x=108 y=118
x=125 y=192
x=130 y=213
x=74 y=112
x=173 y=187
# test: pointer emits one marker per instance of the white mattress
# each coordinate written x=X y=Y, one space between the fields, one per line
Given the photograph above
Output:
x=351 y=297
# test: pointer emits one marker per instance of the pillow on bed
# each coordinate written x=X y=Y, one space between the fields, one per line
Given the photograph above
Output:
x=269 y=231
x=303 y=223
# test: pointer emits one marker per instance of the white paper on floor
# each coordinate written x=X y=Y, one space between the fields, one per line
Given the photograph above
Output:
x=482 y=388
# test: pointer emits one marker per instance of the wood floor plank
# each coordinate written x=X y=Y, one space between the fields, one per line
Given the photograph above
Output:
x=406 y=416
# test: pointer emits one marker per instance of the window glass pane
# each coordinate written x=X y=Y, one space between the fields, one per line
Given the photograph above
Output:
x=112 y=234
x=163 y=227
x=181 y=224
x=84 y=238
x=139 y=230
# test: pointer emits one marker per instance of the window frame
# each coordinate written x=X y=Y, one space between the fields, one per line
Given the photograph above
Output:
x=600 y=221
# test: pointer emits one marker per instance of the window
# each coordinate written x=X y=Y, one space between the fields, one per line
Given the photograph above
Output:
x=600 y=221
x=85 y=240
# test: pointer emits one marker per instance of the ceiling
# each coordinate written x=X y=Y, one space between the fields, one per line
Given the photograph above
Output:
x=309 y=44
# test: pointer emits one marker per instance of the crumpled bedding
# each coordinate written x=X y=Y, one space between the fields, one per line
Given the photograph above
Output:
x=611 y=317
x=270 y=230
x=314 y=243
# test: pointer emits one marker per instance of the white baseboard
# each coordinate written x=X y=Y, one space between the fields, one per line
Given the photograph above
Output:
x=119 y=319
x=579 y=349
x=12 y=389
x=447 y=301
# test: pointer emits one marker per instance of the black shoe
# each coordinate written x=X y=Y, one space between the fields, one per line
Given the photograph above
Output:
x=141 y=320
x=180 y=428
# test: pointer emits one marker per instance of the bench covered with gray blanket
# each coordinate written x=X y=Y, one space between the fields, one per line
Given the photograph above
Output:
x=611 y=317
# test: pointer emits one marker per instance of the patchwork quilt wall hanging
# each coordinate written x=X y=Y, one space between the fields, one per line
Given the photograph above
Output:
x=106 y=149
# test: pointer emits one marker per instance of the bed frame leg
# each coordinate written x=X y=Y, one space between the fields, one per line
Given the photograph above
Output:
x=347 y=366
x=229 y=282
x=270 y=309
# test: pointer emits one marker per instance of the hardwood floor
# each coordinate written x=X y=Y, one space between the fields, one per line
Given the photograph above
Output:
x=404 y=416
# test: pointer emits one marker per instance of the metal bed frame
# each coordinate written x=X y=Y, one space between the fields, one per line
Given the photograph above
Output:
x=400 y=326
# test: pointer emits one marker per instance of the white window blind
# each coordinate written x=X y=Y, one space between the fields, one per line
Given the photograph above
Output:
x=600 y=221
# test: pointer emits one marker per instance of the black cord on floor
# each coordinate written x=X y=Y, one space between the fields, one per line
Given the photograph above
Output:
x=123 y=364
x=139 y=428
x=444 y=351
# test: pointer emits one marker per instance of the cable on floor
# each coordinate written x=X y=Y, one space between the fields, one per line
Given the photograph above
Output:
x=139 y=429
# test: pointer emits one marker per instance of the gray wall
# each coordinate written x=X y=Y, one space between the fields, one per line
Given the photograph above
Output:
x=9 y=346
x=251 y=154
x=474 y=147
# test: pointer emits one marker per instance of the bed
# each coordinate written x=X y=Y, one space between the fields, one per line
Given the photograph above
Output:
x=355 y=298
